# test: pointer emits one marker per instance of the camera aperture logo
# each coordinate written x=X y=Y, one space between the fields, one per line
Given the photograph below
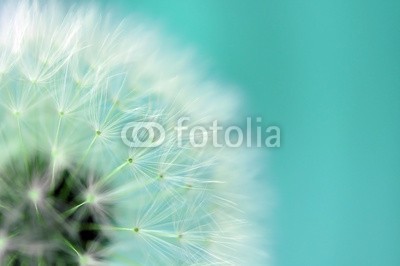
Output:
x=152 y=134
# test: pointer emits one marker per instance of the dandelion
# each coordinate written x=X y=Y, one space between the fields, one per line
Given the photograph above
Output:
x=71 y=191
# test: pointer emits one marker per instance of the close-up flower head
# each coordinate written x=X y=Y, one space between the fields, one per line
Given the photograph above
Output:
x=97 y=166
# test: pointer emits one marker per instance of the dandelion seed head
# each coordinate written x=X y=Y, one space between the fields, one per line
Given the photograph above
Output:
x=71 y=191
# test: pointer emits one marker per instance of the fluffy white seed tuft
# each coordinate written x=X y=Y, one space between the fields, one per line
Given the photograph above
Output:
x=71 y=191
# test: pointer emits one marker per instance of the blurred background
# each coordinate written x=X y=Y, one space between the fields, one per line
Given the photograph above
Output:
x=327 y=73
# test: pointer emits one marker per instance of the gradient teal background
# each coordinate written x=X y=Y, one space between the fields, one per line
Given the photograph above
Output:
x=328 y=73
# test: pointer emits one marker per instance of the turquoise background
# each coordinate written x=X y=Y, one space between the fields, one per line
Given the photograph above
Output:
x=328 y=73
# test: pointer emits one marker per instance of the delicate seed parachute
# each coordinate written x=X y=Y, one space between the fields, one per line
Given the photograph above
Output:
x=71 y=191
